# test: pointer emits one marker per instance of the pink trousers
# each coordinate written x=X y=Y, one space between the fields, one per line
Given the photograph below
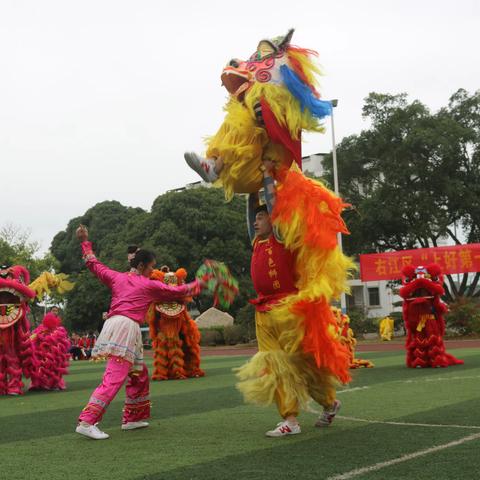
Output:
x=137 y=403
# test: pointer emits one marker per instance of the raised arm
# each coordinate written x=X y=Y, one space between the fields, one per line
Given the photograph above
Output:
x=268 y=186
x=269 y=189
x=252 y=202
x=101 y=271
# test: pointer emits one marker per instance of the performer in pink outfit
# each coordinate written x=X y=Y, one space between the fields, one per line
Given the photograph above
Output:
x=120 y=340
x=51 y=347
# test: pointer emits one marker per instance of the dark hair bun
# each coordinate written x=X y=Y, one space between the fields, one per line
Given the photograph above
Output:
x=142 y=256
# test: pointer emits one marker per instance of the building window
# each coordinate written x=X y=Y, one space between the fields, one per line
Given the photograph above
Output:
x=374 y=297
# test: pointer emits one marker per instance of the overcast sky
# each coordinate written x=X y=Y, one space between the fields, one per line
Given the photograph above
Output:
x=99 y=99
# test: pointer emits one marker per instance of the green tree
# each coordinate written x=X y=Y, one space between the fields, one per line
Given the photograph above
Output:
x=86 y=303
x=16 y=248
x=413 y=177
x=183 y=228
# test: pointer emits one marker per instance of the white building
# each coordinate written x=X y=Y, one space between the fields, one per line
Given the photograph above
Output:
x=375 y=298
x=313 y=164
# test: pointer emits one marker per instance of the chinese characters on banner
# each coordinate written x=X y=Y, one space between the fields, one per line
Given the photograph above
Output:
x=388 y=266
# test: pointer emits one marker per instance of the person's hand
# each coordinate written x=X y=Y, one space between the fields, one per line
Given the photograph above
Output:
x=82 y=233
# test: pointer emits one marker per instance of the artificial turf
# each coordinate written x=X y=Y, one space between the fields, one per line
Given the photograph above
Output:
x=200 y=429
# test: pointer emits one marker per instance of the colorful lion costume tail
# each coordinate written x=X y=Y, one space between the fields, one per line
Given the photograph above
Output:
x=423 y=313
x=175 y=336
x=51 y=346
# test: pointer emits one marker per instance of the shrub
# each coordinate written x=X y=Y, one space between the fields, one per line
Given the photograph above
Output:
x=212 y=336
x=464 y=316
x=234 y=334
x=360 y=323
x=246 y=318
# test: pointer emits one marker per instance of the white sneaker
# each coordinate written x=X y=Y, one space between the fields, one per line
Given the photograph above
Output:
x=326 y=418
x=283 y=429
x=91 y=431
x=205 y=167
x=134 y=425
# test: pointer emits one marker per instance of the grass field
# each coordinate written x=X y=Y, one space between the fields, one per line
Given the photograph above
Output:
x=200 y=429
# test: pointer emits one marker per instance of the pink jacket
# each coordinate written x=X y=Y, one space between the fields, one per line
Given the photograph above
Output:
x=132 y=293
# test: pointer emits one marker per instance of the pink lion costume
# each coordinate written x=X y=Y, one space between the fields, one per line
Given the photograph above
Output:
x=16 y=353
x=51 y=346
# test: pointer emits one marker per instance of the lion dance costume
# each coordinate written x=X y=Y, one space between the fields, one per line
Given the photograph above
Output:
x=51 y=347
x=347 y=338
x=423 y=314
x=273 y=99
x=16 y=353
x=175 y=336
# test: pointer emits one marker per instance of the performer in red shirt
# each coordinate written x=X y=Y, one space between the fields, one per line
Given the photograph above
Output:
x=282 y=371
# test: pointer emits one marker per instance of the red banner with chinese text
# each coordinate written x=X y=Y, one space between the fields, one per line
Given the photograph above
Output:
x=388 y=266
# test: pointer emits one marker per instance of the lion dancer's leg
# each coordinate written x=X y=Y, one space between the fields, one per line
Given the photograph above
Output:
x=160 y=358
x=14 y=376
x=10 y=371
x=63 y=346
x=272 y=376
x=191 y=348
x=418 y=349
x=416 y=355
x=438 y=357
x=3 y=372
x=209 y=169
x=37 y=381
x=24 y=347
x=14 y=345
x=322 y=387
x=287 y=404
x=234 y=153
x=57 y=368
x=176 y=363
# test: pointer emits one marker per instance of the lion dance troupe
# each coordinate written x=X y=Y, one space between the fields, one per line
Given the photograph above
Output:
x=306 y=347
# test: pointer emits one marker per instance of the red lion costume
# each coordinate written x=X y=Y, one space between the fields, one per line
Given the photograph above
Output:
x=423 y=314
x=175 y=336
x=51 y=347
x=16 y=353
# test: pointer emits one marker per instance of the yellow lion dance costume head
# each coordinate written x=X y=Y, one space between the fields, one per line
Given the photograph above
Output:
x=273 y=98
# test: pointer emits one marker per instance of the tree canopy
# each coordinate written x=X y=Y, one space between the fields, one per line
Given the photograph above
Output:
x=183 y=228
x=413 y=177
x=16 y=248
